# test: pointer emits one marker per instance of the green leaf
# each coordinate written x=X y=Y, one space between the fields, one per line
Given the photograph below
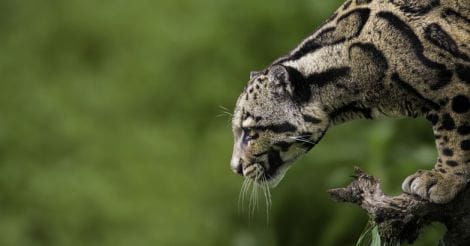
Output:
x=375 y=236
x=366 y=237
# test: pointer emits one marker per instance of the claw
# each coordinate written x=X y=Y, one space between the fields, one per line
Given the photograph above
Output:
x=432 y=186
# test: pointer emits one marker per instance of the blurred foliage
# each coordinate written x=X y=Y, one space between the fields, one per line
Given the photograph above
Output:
x=109 y=132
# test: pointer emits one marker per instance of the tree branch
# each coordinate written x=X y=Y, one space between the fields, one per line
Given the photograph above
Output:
x=401 y=218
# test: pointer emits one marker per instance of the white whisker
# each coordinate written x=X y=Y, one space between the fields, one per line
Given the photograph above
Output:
x=224 y=112
x=253 y=199
x=265 y=191
x=251 y=203
x=301 y=139
x=254 y=185
x=223 y=108
x=247 y=187
x=241 y=196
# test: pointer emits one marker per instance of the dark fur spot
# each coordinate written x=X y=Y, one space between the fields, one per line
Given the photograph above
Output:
x=311 y=119
x=331 y=75
x=442 y=170
x=443 y=102
x=308 y=47
x=452 y=163
x=446 y=139
x=374 y=64
x=465 y=145
x=418 y=7
x=352 y=108
x=433 y=118
x=358 y=2
x=341 y=86
x=277 y=128
x=412 y=91
x=283 y=145
x=274 y=161
x=463 y=72
x=447 y=123
x=440 y=38
x=375 y=54
x=448 y=152
x=348 y=26
x=329 y=36
x=460 y=104
x=451 y=13
x=443 y=75
x=260 y=154
x=361 y=13
x=463 y=130
x=347 y=4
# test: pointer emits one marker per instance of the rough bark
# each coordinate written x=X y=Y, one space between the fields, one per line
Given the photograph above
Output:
x=401 y=218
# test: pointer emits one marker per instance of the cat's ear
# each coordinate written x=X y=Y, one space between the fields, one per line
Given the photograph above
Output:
x=288 y=81
x=278 y=76
x=254 y=74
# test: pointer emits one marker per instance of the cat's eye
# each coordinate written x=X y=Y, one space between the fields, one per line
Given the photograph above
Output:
x=248 y=135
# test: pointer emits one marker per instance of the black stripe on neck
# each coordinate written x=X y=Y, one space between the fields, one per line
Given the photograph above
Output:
x=277 y=128
x=351 y=108
x=301 y=85
x=331 y=75
x=412 y=91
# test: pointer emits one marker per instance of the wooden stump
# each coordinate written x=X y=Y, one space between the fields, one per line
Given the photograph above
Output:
x=401 y=218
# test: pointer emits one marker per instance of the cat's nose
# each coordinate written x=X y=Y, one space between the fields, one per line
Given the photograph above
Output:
x=236 y=166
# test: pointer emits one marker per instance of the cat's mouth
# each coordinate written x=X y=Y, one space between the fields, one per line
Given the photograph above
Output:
x=262 y=175
x=254 y=171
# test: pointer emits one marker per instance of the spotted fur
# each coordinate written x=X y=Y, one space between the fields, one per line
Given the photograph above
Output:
x=372 y=58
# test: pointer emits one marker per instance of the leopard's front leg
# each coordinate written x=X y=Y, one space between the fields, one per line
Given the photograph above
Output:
x=452 y=170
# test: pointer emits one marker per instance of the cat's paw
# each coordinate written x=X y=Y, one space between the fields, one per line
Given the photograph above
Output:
x=433 y=186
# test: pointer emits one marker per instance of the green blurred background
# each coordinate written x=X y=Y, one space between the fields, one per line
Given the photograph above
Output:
x=110 y=135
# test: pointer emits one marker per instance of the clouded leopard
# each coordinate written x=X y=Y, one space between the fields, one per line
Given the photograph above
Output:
x=372 y=58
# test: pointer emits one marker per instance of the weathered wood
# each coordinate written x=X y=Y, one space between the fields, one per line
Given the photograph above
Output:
x=401 y=218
